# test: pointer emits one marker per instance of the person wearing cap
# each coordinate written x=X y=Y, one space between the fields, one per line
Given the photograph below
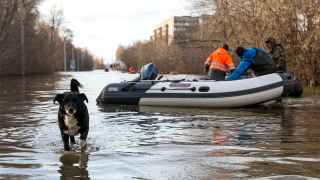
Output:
x=219 y=63
x=277 y=53
x=256 y=59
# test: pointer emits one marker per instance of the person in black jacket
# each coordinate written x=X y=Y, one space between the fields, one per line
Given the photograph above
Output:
x=277 y=53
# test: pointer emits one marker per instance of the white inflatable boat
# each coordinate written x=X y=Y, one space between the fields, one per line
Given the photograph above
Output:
x=200 y=93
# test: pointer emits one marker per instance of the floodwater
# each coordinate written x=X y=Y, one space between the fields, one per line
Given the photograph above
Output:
x=143 y=143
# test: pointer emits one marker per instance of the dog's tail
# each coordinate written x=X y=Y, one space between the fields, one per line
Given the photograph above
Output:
x=74 y=85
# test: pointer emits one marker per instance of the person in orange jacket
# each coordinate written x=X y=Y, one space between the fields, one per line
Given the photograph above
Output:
x=219 y=63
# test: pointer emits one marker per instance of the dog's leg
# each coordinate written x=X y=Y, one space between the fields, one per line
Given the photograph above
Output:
x=83 y=139
x=73 y=141
x=65 y=139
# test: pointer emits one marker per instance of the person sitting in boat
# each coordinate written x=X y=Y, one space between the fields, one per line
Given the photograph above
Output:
x=149 y=72
x=219 y=63
x=258 y=60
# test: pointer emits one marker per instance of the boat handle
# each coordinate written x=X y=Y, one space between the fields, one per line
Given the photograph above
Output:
x=204 y=89
x=193 y=89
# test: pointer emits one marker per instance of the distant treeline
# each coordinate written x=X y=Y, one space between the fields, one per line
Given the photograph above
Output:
x=293 y=23
x=29 y=45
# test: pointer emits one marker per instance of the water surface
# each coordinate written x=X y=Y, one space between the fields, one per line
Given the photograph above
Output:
x=153 y=143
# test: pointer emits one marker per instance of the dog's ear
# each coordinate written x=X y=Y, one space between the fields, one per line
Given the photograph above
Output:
x=59 y=98
x=83 y=97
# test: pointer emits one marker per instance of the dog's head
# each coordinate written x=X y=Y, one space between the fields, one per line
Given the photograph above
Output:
x=70 y=102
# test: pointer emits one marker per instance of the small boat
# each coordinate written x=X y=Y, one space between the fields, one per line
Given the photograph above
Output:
x=200 y=93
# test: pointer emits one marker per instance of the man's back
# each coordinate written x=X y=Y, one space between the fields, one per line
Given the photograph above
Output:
x=223 y=60
x=253 y=58
x=263 y=63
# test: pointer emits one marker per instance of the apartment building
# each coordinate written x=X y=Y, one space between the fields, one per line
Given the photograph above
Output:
x=175 y=29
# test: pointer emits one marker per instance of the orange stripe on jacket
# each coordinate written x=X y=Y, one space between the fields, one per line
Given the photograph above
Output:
x=221 y=60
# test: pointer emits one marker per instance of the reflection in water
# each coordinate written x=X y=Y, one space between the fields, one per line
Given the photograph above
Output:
x=131 y=142
x=118 y=108
x=74 y=166
x=219 y=138
x=259 y=110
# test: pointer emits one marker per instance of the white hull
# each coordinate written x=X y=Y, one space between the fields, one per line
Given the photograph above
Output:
x=236 y=101
x=229 y=88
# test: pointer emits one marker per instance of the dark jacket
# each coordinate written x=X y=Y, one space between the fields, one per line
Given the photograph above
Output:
x=256 y=59
x=279 y=57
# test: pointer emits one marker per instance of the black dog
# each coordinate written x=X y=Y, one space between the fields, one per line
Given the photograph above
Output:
x=73 y=116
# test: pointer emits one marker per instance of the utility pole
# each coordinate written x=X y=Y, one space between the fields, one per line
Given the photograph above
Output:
x=225 y=13
x=79 y=60
x=67 y=43
x=22 y=37
x=72 y=57
x=64 y=54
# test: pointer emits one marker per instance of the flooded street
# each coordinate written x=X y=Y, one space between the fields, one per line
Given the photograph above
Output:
x=152 y=143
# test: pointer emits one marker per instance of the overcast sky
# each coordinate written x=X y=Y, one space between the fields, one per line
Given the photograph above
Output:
x=101 y=25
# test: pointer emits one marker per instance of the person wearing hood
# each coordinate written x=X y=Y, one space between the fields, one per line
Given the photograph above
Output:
x=256 y=59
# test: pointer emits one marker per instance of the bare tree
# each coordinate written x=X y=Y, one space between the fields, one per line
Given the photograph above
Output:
x=8 y=9
x=31 y=46
x=294 y=23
